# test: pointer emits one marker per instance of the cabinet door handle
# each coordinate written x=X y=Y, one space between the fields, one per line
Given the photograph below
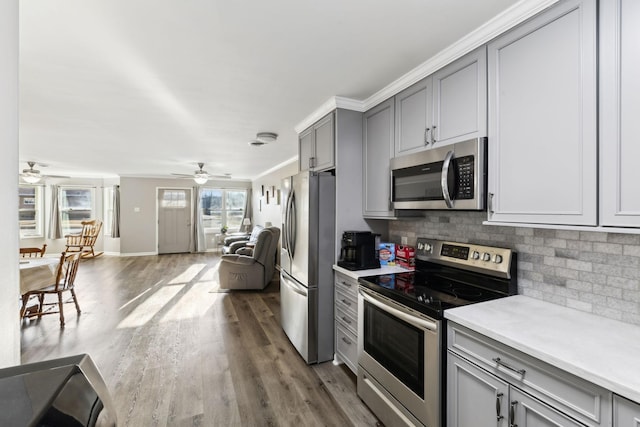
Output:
x=511 y=368
x=491 y=203
x=433 y=135
x=426 y=136
x=498 y=406
x=346 y=302
x=512 y=414
x=346 y=341
x=312 y=162
x=390 y=190
x=346 y=320
x=346 y=283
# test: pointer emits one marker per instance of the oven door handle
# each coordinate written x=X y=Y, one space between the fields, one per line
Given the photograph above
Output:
x=413 y=320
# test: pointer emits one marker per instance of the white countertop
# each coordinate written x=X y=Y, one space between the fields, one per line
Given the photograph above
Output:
x=603 y=351
x=355 y=274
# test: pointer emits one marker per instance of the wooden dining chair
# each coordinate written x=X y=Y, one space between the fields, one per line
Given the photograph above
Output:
x=84 y=241
x=33 y=252
x=65 y=282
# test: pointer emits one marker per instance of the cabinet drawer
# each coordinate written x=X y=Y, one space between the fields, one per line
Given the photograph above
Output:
x=347 y=347
x=346 y=285
x=574 y=396
x=347 y=317
x=347 y=301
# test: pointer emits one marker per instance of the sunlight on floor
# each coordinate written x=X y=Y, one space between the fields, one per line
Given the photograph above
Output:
x=188 y=275
x=195 y=301
x=149 y=308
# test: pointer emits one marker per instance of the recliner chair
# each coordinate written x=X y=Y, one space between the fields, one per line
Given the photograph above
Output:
x=234 y=242
x=255 y=271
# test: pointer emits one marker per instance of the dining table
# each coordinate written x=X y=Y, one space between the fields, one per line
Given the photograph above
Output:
x=37 y=273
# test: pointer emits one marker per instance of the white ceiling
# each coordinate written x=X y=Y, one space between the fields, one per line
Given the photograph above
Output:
x=150 y=88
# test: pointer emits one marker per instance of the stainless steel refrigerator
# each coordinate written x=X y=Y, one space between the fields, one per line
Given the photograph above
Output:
x=307 y=257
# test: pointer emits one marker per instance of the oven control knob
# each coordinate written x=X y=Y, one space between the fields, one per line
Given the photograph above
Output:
x=486 y=256
x=420 y=246
x=497 y=259
x=475 y=255
x=428 y=247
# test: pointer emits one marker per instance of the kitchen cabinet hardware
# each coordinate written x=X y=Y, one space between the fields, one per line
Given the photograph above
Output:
x=512 y=413
x=426 y=136
x=498 y=405
x=346 y=341
x=433 y=135
x=511 y=368
x=491 y=203
x=346 y=320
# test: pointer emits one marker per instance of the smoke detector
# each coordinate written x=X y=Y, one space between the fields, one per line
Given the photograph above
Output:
x=263 y=138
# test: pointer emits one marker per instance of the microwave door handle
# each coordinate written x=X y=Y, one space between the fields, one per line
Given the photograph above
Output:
x=444 y=181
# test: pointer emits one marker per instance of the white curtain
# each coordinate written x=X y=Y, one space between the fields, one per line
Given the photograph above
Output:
x=55 y=222
x=199 y=244
x=115 y=217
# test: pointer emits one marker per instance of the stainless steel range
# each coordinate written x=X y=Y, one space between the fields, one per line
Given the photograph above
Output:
x=400 y=316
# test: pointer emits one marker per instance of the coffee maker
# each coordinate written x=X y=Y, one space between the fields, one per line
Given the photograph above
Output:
x=359 y=250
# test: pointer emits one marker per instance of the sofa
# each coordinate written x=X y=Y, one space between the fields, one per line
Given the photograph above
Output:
x=253 y=271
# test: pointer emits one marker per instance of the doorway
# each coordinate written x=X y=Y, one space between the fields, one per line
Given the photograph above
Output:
x=174 y=220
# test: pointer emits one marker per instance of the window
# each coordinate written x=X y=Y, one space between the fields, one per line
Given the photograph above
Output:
x=76 y=205
x=222 y=207
x=30 y=208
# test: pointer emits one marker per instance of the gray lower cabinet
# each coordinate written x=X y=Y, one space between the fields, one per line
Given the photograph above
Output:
x=620 y=108
x=377 y=151
x=542 y=153
x=489 y=383
x=625 y=413
x=346 y=320
x=316 y=145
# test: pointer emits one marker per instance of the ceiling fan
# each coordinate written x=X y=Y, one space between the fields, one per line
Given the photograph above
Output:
x=33 y=176
x=201 y=176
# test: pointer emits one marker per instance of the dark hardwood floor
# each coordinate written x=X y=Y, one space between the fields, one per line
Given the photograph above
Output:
x=176 y=351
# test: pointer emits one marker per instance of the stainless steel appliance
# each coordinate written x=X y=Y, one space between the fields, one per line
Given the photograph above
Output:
x=62 y=392
x=450 y=177
x=401 y=344
x=359 y=250
x=307 y=256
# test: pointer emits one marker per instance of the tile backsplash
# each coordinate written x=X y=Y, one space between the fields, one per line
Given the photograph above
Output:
x=590 y=271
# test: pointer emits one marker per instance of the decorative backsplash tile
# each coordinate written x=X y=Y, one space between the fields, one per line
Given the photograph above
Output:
x=590 y=271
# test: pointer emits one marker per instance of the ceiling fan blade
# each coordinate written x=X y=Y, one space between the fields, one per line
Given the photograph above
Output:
x=182 y=175
x=55 y=176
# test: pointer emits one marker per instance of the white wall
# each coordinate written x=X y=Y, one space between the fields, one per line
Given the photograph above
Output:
x=9 y=286
x=138 y=216
x=270 y=212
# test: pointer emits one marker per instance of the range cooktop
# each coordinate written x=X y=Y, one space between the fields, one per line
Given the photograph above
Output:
x=449 y=275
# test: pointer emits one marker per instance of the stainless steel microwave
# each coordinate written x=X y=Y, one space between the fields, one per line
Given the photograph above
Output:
x=449 y=177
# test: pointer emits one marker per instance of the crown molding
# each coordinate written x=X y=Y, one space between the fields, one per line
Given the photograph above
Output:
x=506 y=20
x=328 y=106
x=276 y=167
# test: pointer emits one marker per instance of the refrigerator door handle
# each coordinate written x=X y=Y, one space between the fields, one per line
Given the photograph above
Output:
x=291 y=235
x=301 y=290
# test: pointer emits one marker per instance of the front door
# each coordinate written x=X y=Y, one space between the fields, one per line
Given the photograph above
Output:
x=174 y=220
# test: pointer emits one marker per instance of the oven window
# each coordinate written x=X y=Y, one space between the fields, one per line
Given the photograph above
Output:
x=396 y=345
x=416 y=183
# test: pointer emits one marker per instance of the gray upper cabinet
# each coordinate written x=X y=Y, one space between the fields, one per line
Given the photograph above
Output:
x=619 y=112
x=446 y=107
x=543 y=119
x=377 y=151
x=316 y=145
x=413 y=116
x=460 y=99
